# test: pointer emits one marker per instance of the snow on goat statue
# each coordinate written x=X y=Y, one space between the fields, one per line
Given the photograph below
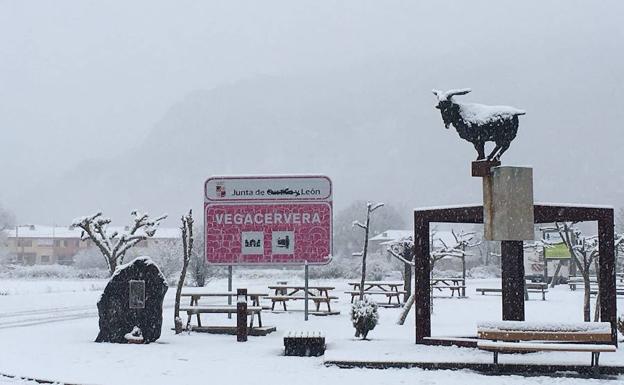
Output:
x=478 y=123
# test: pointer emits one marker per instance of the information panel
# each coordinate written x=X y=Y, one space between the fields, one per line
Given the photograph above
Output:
x=268 y=220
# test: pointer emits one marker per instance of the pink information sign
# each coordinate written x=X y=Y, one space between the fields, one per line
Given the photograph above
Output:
x=268 y=220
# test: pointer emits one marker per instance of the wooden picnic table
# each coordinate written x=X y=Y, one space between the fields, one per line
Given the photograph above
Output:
x=316 y=293
x=453 y=284
x=195 y=293
x=391 y=289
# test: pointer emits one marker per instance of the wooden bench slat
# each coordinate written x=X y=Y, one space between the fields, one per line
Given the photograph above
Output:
x=534 y=347
x=288 y=297
x=218 y=309
x=376 y=292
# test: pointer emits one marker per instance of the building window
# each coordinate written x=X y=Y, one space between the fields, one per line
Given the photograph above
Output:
x=45 y=259
x=57 y=243
x=65 y=260
x=24 y=243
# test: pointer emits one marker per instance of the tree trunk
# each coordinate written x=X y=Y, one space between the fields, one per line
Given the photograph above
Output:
x=586 y=303
x=407 y=281
x=556 y=275
x=597 y=308
x=112 y=265
x=176 y=315
x=364 y=254
x=406 y=309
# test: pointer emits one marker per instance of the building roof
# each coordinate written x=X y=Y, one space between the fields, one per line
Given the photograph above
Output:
x=43 y=231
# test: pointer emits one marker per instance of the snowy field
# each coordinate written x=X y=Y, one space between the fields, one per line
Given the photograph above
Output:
x=47 y=330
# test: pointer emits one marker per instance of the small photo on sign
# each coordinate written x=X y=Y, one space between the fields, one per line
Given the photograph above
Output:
x=252 y=243
x=283 y=242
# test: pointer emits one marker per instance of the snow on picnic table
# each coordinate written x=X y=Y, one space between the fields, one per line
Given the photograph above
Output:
x=66 y=351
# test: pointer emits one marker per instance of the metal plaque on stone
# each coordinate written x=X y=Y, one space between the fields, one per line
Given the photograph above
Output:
x=137 y=294
x=508 y=204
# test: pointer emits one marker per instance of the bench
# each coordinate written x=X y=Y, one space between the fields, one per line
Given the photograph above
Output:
x=304 y=344
x=317 y=300
x=220 y=309
x=389 y=294
x=619 y=290
x=510 y=337
x=531 y=288
x=453 y=288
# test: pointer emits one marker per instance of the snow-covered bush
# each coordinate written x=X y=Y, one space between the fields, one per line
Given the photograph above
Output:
x=620 y=324
x=364 y=316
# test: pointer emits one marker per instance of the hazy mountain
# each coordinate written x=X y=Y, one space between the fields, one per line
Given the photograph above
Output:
x=372 y=129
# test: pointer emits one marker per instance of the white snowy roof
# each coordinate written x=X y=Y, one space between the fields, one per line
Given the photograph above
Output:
x=43 y=231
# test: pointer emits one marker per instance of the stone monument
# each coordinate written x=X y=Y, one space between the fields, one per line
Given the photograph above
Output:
x=130 y=308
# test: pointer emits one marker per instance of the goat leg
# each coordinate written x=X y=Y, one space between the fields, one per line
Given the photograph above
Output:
x=480 y=147
x=503 y=148
x=493 y=153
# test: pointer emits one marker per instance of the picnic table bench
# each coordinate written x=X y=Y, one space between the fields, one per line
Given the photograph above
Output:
x=532 y=287
x=195 y=309
x=573 y=282
x=521 y=336
x=453 y=284
x=619 y=290
x=318 y=294
x=387 y=288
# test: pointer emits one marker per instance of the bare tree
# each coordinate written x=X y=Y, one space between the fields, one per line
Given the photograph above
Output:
x=187 y=251
x=403 y=250
x=113 y=245
x=370 y=207
x=463 y=240
x=583 y=253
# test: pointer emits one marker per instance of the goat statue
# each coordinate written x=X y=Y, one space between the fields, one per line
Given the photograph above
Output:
x=478 y=123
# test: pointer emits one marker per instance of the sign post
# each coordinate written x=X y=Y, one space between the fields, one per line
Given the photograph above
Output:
x=306 y=292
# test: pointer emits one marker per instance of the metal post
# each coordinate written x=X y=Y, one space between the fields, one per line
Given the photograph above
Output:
x=241 y=315
x=306 y=290
x=229 y=288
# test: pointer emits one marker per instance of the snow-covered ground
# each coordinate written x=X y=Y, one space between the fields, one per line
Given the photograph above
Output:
x=40 y=339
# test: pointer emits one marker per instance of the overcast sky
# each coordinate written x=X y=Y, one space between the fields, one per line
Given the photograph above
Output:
x=82 y=80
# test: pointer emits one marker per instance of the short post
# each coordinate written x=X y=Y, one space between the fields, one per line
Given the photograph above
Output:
x=241 y=315
x=306 y=290
x=230 y=288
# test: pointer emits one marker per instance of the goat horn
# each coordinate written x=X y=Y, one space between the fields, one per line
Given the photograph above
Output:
x=451 y=93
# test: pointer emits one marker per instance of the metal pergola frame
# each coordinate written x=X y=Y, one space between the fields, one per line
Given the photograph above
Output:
x=512 y=261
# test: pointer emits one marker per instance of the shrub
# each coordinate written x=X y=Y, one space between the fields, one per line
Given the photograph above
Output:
x=364 y=316
x=620 y=324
